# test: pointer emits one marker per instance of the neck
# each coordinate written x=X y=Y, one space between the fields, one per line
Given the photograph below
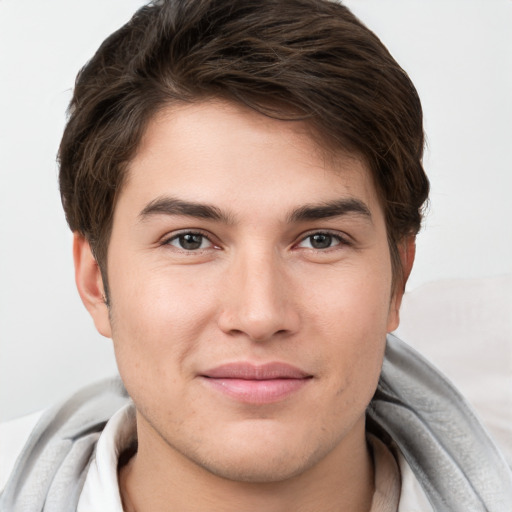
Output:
x=160 y=479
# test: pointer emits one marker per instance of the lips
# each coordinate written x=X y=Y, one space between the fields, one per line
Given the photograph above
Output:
x=256 y=384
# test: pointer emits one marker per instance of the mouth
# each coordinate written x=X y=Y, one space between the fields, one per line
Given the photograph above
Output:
x=256 y=384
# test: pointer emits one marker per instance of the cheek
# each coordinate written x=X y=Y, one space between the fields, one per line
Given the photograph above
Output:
x=355 y=361
x=352 y=316
x=353 y=300
x=156 y=323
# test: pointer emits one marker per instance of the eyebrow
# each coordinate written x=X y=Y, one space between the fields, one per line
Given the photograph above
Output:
x=335 y=208
x=174 y=206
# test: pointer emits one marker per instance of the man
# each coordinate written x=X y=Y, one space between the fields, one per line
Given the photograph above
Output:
x=244 y=182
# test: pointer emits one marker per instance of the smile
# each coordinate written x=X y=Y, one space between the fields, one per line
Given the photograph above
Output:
x=262 y=384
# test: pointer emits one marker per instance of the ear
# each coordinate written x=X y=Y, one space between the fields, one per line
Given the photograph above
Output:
x=407 y=252
x=90 y=284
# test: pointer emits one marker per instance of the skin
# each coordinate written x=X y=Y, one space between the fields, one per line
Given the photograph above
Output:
x=258 y=289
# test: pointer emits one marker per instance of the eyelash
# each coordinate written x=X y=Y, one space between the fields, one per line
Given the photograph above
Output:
x=176 y=236
x=341 y=240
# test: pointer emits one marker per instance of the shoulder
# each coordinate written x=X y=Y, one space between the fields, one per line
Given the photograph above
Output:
x=50 y=454
x=13 y=436
x=438 y=433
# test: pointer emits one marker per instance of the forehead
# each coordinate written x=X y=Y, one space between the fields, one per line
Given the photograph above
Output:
x=221 y=152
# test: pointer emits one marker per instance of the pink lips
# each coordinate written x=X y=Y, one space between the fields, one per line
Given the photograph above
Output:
x=256 y=384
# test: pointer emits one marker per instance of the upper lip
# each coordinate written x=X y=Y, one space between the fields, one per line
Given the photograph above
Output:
x=250 y=371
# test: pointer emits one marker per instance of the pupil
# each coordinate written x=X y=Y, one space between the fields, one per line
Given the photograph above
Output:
x=321 y=241
x=191 y=241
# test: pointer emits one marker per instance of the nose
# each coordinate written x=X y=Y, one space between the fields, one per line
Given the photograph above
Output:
x=259 y=302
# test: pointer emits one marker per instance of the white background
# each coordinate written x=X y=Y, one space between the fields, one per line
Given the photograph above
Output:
x=459 y=55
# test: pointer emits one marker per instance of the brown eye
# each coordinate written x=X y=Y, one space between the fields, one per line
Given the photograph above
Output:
x=190 y=241
x=321 y=241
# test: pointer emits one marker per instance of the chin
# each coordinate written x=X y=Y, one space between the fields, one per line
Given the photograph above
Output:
x=261 y=469
x=269 y=458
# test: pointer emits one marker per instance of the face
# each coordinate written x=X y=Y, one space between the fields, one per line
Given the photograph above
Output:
x=251 y=291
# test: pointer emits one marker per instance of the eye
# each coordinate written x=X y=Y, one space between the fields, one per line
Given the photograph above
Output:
x=190 y=241
x=321 y=241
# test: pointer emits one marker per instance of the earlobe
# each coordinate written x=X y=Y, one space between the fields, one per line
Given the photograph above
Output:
x=90 y=284
x=407 y=252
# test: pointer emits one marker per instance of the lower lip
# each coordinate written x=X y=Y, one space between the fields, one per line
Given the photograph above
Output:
x=257 y=391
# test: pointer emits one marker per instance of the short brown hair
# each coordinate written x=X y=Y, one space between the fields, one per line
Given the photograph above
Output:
x=294 y=59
